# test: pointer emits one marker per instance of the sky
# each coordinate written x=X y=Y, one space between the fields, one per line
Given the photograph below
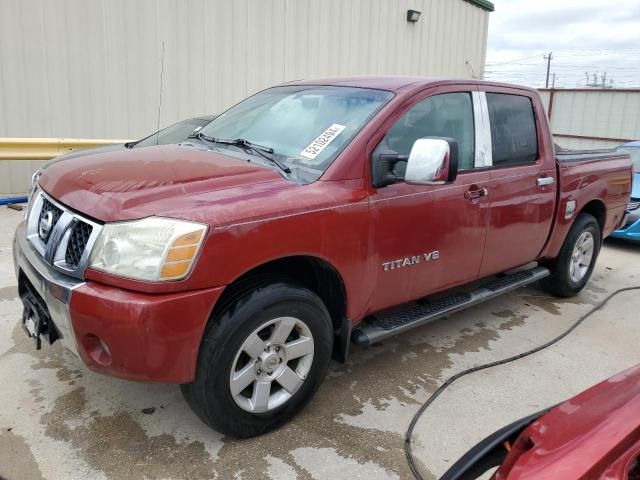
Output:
x=600 y=37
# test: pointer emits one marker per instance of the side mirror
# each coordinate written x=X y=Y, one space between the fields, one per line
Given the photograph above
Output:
x=432 y=161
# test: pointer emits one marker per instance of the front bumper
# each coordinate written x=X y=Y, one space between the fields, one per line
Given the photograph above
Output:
x=117 y=332
x=53 y=287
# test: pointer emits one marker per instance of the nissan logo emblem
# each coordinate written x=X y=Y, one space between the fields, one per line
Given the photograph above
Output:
x=46 y=222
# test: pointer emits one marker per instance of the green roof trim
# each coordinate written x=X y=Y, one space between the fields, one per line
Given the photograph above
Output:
x=484 y=4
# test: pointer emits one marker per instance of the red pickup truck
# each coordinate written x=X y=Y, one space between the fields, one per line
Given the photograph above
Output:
x=308 y=216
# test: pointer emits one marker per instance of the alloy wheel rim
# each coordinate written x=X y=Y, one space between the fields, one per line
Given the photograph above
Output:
x=581 y=257
x=271 y=364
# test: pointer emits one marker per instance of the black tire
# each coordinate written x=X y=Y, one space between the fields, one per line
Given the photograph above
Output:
x=560 y=283
x=209 y=395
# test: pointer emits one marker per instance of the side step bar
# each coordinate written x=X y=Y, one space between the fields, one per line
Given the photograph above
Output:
x=405 y=317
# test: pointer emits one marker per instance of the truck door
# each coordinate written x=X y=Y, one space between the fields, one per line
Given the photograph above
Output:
x=522 y=184
x=430 y=237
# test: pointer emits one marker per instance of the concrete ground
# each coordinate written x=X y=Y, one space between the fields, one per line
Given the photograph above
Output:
x=60 y=421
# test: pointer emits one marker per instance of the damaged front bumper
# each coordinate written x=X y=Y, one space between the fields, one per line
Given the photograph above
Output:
x=45 y=293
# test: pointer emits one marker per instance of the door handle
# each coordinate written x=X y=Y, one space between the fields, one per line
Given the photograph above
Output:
x=474 y=193
x=543 y=181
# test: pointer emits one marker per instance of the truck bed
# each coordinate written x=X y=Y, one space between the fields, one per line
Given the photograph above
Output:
x=567 y=156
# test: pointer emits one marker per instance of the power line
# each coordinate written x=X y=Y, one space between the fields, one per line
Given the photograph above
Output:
x=571 y=53
x=564 y=65
x=609 y=72
x=577 y=70
x=511 y=61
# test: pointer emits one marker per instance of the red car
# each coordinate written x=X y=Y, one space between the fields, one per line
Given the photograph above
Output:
x=595 y=435
x=308 y=216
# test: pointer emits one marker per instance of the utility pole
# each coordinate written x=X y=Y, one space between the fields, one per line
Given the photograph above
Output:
x=548 y=59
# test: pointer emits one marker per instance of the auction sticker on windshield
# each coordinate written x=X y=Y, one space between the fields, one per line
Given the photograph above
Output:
x=322 y=141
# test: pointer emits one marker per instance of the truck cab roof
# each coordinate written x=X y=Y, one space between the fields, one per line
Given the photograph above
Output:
x=395 y=83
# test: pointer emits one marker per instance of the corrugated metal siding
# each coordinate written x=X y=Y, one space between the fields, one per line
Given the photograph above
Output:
x=545 y=95
x=16 y=175
x=74 y=68
x=91 y=69
x=606 y=114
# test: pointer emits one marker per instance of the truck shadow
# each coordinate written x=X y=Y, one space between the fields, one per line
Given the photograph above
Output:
x=622 y=246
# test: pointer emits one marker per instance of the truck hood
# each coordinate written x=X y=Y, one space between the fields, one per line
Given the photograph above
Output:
x=125 y=184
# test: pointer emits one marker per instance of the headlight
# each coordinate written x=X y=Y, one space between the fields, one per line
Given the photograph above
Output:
x=153 y=249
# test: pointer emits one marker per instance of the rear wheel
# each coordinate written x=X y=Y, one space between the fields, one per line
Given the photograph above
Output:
x=571 y=270
x=262 y=360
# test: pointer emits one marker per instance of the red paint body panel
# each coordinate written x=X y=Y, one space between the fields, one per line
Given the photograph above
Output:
x=585 y=182
x=595 y=435
x=151 y=337
x=255 y=216
x=521 y=215
x=439 y=219
x=133 y=183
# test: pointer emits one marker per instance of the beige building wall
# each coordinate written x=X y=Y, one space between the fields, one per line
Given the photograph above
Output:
x=90 y=68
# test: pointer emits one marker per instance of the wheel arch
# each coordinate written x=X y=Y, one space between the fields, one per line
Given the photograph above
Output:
x=597 y=209
x=563 y=226
x=311 y=272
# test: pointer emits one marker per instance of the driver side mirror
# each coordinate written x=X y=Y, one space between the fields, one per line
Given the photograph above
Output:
x=432 y=161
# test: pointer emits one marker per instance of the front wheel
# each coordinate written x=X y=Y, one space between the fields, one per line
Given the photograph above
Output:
x=261 y=361
x=571 y=270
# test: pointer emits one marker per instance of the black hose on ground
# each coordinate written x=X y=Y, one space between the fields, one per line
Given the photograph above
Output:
x=409 y=433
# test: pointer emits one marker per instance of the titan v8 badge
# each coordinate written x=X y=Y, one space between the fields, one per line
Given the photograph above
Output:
x=409 y=261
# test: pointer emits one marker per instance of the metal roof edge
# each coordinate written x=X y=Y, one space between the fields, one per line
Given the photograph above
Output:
x=591 y=89
x=484 y=4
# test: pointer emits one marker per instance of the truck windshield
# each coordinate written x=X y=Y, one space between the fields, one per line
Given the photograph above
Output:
x=175 y=133
x=306 y=126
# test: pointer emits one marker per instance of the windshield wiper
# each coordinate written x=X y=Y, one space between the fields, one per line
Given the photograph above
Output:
x=241 y=142
x=202 y=136
x=264 y=152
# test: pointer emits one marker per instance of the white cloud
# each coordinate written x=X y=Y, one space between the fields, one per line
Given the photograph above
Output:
x=592 y=36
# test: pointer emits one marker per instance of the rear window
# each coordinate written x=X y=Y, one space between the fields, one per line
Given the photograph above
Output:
x=513 y=129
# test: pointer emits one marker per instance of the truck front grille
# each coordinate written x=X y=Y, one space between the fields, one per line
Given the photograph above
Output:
x=634 y=204
x=62 y=237
x=56 y=213
x=80 y=234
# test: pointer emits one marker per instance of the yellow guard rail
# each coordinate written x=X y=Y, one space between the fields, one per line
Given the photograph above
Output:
x=46 y=148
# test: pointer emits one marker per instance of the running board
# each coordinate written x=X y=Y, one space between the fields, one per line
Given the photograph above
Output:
x=405 y=317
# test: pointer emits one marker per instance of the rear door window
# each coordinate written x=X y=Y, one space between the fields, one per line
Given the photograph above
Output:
x=513 y=129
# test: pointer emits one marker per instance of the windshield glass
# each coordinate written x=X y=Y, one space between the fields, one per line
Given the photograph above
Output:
x=306 y=126
x=176 y=133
